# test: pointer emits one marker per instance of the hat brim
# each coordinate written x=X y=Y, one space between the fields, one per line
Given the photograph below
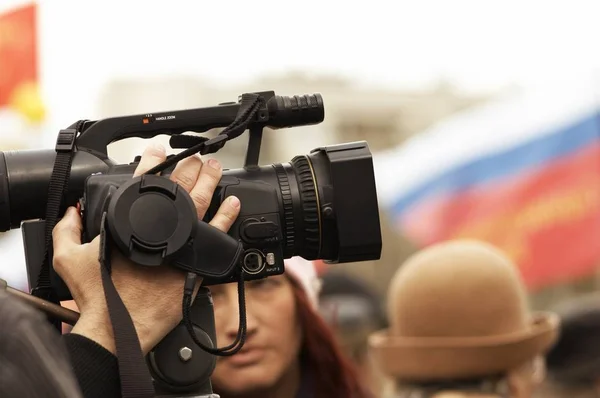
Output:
x=441 y=358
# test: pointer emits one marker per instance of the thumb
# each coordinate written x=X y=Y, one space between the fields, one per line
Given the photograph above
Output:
x=68 y=230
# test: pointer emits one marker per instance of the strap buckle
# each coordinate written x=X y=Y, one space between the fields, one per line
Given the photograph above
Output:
x=214 y=144
x=66 y=140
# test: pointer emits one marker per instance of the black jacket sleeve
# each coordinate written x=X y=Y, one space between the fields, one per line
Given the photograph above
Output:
x=96 y=369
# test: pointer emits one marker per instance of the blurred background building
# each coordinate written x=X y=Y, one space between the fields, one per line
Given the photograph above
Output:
x=383 y=117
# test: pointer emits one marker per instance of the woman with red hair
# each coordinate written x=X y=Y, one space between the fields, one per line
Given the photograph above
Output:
x=290 y=351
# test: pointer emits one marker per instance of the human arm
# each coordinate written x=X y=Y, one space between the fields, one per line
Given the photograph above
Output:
x=152 y=295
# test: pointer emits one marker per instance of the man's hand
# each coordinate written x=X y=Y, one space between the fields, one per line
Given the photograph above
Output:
x=152 y=295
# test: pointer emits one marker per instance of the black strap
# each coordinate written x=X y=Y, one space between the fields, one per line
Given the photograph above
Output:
x=136 y=381
x=249 y=105
x=240 y=338
x=59 y=185
x=181 y=141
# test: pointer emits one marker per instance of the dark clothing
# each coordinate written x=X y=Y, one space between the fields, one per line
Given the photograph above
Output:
x=307 y=389
x=33 y=362
x=574 y=360
x=95 y=368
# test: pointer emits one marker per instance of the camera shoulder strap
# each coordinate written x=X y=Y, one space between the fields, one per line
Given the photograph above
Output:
x=59 y=184
x=136 y=381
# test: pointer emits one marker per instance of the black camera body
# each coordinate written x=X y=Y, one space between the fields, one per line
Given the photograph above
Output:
x=322 y=205
x=307 y=207
x=258 y=227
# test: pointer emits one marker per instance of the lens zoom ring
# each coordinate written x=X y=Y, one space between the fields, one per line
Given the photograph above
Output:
x=288 y=206
x=310 y=211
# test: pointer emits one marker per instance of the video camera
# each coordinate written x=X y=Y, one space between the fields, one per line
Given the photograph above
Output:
x=318 y=206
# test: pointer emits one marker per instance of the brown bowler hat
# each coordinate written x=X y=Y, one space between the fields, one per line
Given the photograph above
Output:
x=459 y=310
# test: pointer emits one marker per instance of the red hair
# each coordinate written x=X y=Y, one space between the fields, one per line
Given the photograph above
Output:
x=333 y=374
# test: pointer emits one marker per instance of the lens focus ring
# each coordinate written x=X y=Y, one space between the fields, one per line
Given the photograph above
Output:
x=310 y=210
x=288 y=208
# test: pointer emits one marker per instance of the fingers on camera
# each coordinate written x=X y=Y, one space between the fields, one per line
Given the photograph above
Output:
x=66 y=235
x=228 y=212
x=68 y=230
x=198 y=178
x=186 y=172
x=153 y=155
x=202 y=193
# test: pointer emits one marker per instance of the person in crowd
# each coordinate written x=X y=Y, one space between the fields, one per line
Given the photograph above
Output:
x=460 y=327
x=33 y=361
x=152 y=296
x=353 y=310
x=290 y=351
x=574 y=361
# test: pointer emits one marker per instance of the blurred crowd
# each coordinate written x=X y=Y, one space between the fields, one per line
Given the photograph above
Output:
x=459 y=324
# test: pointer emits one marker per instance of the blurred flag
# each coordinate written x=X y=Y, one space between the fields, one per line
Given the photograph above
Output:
x=522 y=173
x=19 y=83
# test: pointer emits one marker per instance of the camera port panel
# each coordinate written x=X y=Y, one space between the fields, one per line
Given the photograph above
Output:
x=254 y=262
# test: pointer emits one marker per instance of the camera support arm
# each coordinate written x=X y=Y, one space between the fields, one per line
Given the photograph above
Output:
x=56 y=311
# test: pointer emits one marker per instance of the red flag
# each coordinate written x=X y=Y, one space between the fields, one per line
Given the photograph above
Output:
x=18 y=52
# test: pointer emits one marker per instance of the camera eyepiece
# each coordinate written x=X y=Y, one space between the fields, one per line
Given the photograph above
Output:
x=297 y=110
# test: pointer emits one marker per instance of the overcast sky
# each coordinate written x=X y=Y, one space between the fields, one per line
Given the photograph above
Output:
x=478 y=44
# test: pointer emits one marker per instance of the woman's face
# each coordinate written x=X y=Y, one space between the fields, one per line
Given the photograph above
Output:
x=273 y=337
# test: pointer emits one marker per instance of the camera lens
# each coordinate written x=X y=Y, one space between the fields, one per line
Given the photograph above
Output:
x=308 y=207
x=253 y=262
x=324 y=206
x=329 y=203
